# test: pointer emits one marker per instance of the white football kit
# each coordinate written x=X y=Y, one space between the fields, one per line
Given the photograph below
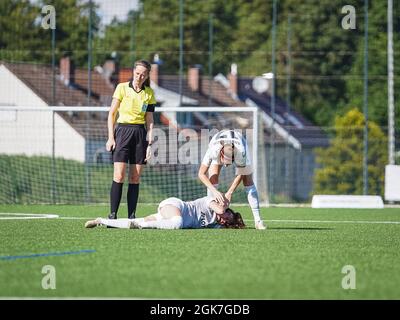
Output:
x=195 y=214
x=241 y=152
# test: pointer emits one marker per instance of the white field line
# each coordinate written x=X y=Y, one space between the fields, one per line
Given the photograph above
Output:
x=17 y=216
x=113 y=298
x=77 y=218
x=331 y=221
x=82 y=298
x=26 y=216
x=290 y=221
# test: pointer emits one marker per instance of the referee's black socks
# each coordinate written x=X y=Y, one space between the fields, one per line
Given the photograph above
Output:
x=115 y=198
x=132 y=197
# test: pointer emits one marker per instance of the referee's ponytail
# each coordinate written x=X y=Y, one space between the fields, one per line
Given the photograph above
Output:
x=147 y=65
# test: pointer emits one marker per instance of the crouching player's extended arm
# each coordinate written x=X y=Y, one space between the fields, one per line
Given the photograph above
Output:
x=232 y=188
x=206 y=181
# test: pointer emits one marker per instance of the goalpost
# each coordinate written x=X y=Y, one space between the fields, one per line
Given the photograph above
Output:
x=57 y=154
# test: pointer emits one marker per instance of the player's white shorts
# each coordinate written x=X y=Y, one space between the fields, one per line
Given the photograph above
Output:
x=176 y=202
x=244 y=171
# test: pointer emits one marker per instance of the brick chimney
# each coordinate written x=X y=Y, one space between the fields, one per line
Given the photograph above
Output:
x=125 y=74
x=109 y=68
x=110 y=71
x=233 y=81
x=194 y=78
x=154 y=73
x=67 y=70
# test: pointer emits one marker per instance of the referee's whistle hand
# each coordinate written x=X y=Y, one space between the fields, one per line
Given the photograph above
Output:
x=148 y=154
x=110 y=145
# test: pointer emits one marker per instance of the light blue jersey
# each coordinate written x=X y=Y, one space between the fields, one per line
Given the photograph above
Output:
x=195 y=214
x=198 y=214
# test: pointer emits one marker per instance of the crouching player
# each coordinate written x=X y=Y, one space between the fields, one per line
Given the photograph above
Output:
x=225 y=148
x=173 y=213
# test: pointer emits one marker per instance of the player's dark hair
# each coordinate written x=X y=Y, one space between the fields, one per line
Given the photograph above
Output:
x=147 y=65
x=236 y=222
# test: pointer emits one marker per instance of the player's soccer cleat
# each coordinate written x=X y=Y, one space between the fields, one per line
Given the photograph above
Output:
x=92 y=223
x=260 y=225
x=135 y=225
x=132 y=216
x=112 y=216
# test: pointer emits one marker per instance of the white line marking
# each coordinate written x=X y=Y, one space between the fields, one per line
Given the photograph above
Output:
x=17 y=215
x=26 y=216
x=77 y=218
x=332 y=221
x=81 y=298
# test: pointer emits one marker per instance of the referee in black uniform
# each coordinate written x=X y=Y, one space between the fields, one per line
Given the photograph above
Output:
x=130 y=140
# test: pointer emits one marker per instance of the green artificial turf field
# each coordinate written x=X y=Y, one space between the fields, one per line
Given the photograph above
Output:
x=299 y=256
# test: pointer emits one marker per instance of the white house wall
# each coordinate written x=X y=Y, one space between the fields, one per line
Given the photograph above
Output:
x=69 y=143
x=14 y=92
x=30 y=132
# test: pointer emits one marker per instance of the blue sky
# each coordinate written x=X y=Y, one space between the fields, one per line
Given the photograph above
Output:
x=110 y=8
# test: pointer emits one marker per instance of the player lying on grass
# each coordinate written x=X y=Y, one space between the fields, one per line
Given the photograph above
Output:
x=173 y=213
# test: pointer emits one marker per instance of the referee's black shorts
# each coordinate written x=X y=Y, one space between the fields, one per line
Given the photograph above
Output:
x=130 y=143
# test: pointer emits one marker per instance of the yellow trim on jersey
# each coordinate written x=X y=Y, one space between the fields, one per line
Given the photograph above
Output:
x=133 y=106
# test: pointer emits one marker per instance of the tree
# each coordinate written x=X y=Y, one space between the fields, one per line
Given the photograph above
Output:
x=20 y=32
x=72 y=24
x=22 y=37
x=196 y=40
x=341 y=170
x=119 y=37
x=250 y=42
x=154 y=28
x=326 y=60
x=321 y=56
x=377 y=66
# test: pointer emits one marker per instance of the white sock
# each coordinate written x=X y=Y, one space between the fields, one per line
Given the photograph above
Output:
x=252 y=197
x=209 y=192
x=116 y=223
x=171 y=223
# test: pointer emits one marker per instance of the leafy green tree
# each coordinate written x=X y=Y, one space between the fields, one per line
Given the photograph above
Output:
x=326 y=60
x=321 y=56
x=22 y=37
x=197 y=35
x=72 y=26
x=341 y=164
x=154 y=28
x=377 y=66
x=249 y=46
x=20 y=32
x=118 y=39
